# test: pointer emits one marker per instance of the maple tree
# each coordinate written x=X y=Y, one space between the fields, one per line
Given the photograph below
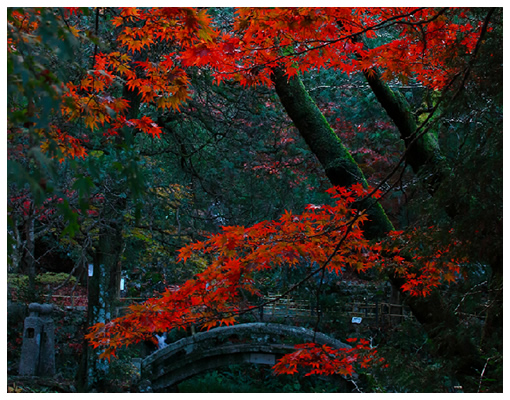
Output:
x=147 y=72
x=325 y=237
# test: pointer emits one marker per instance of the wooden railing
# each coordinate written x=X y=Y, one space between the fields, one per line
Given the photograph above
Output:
x=373 y=311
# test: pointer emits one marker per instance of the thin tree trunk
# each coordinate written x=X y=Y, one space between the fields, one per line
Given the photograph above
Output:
x=28 y=254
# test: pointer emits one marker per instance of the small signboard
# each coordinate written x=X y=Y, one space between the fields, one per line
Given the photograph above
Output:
x=356 y=320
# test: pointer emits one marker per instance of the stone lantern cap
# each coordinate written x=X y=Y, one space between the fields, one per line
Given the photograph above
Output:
x=37 y=309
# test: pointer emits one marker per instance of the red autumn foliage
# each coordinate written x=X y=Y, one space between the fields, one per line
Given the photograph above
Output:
x=325 y=236
x=424 y=43
x=325 y=360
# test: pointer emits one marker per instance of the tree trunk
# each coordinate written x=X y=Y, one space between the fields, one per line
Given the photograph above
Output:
x=423 y=154
x=103 y=289
x=439 y=322
x=339 y=166
x=28 y=253
x=104 y=284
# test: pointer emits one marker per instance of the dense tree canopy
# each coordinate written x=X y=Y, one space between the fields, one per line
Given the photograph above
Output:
x=202 y=152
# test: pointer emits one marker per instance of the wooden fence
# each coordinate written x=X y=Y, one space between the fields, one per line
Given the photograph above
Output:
x=371 y=312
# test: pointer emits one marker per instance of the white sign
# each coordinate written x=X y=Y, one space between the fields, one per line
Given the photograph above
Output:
x=91 y=269
x=356 y=320
x=121 y=283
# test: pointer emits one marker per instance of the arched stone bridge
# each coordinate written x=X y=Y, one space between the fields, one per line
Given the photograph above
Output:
x=257 y=343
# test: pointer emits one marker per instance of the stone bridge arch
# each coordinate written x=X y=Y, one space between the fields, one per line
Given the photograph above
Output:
x=257 y=343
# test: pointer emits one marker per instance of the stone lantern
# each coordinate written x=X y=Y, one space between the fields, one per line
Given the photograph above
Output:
x=38 y=348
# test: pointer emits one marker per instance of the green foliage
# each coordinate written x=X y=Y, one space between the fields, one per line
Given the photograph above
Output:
x=123 y=375
x=412 y=367
x=18 y=283
x=257 y=379
x=33 y=91
x=38 y=65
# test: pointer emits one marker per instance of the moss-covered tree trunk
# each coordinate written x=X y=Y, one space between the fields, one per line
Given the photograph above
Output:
x=339 y=166
x=423 y=153
x=439 y=322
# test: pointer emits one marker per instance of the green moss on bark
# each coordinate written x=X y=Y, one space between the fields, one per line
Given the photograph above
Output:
x=423 y=155
x=317 y=132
